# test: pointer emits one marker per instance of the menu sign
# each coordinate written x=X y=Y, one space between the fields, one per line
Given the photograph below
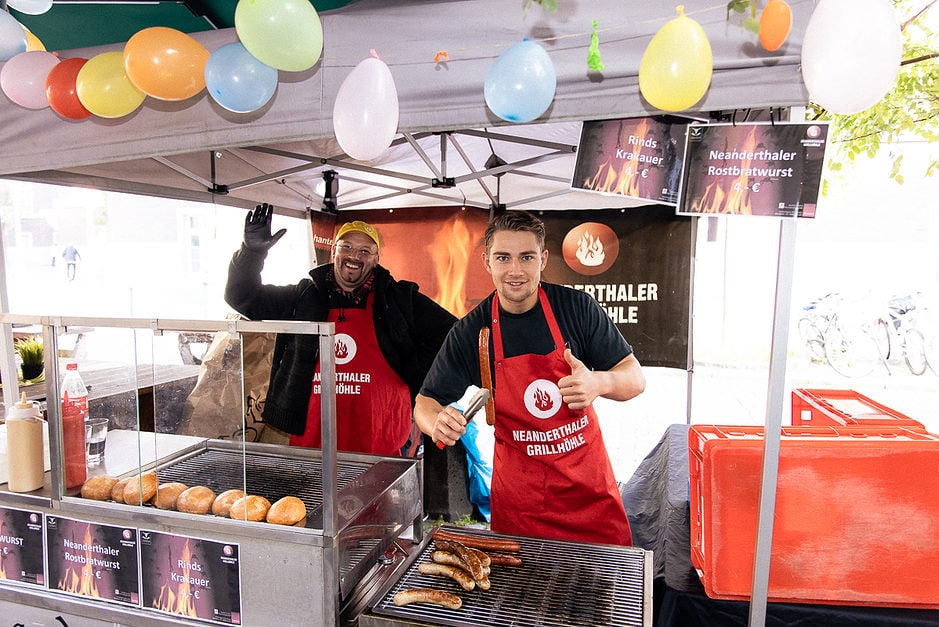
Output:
x=753 y=169
x=21 y=547
x=191 y=577
x=635 y=157
x=92 y=560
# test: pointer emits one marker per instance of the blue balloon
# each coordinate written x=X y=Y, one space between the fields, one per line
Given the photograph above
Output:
x=12 y=37
x=520 y=84
x=236 y=80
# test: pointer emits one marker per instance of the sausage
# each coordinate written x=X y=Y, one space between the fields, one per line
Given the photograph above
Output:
x=472 y=562
x=456 y=574
x=506 y=560
x=478 y=542
x=484 y=558
x=446 y=557
x=428 y=595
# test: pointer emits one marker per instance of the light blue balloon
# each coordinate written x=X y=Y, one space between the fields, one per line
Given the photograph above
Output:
x=236 y=80
x=12 y=37
x=520 y=84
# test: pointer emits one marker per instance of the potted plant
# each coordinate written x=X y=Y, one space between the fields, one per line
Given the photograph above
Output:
x=30 y=351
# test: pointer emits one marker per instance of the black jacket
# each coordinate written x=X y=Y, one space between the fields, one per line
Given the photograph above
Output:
x=409 y=326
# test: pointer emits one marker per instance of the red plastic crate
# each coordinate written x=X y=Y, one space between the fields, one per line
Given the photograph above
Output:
x=856 y=519
x=841 y=408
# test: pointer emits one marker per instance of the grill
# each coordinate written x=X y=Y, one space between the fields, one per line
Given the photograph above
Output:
x=560 y=584
x=268 y=475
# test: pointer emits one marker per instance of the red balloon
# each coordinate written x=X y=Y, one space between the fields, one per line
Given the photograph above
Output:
x=60 y=89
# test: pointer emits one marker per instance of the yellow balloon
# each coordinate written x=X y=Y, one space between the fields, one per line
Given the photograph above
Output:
x=104 y=89
x=676 y=67
x=32 y=42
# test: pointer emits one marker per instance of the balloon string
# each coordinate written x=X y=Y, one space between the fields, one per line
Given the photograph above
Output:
x=454 y=52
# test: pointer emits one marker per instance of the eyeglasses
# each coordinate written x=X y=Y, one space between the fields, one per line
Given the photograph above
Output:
x=348 y=249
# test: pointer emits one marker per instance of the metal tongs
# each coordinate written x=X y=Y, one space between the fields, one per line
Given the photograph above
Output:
x=476 y=402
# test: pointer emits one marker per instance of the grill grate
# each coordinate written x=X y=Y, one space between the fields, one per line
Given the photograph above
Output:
x=558 y=584
x=270 y=476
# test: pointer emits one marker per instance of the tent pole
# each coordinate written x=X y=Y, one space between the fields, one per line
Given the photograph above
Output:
x=8 y=365
x=774 y=407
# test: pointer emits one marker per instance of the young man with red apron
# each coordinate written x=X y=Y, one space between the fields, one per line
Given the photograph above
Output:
x=373 y=404
x=552 y=476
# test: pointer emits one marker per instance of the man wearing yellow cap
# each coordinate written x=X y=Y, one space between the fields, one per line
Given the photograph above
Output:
x=387 y=335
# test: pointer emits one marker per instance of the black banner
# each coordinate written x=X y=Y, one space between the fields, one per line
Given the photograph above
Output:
x=637 y=264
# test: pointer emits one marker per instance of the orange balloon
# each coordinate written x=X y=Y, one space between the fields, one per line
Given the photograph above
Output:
x=165 y=63
x=775 y=23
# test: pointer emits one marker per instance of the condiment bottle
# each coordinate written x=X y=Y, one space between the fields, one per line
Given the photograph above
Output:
x=74 y=412
x=25 y=467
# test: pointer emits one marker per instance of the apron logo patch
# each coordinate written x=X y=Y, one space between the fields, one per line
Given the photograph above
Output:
x=542 y=398
x=345 y=348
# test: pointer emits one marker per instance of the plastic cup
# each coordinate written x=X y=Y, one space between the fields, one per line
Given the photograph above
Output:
x=96 y=432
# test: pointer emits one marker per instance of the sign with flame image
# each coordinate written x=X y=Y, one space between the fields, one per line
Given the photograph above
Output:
x=636 y=263
x=92 y=560
x=21 y=547
x=634 y=157
x=758 y=169
x=191 y=577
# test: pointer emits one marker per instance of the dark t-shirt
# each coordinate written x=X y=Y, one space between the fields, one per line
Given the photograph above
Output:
x=587 y=330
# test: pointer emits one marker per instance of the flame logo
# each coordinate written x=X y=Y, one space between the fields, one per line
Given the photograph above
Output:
x=80 y=578
x=178 y=599
x=542 y=398
x=590 y=250
x=345 y=348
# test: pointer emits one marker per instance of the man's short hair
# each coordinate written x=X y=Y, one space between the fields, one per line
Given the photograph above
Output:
x=515 y=220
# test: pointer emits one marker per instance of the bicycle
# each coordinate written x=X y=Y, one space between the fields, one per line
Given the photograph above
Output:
x=854 y=346
x=902 y=331
x=816 y=317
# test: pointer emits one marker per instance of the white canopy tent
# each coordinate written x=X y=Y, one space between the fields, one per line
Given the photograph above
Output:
x=195 y=148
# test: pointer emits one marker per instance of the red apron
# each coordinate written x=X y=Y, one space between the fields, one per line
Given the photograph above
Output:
x=373 y=404
x=552 y=476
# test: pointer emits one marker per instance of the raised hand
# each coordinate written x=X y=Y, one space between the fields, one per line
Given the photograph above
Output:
x=258 y=235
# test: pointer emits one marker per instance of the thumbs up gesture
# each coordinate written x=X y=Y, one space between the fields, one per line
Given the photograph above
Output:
x=579 y=388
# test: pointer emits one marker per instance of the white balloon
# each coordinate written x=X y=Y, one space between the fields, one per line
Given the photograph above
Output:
x=365 y=115
x=30 y=7
x=851 y=54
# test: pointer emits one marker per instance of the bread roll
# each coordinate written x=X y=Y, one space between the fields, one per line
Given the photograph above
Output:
x=196 y=500
x=117 y=491
x=223 y=501
x=287 y=511
x=140 y=489
x=98 y=488
x=250 y=507
x=167 y=494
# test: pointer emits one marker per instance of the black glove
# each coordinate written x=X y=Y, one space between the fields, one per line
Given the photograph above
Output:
x=258 y=229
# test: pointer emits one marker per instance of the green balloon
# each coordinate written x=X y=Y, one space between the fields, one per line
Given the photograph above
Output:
x=284 y=34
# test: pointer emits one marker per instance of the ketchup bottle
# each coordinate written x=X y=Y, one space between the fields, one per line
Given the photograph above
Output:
x=74 y=412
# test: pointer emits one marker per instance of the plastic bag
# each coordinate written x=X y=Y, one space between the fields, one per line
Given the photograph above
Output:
x=478 y=442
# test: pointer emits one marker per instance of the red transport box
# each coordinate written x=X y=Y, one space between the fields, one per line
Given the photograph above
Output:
x=843 y=408
x=856 y=519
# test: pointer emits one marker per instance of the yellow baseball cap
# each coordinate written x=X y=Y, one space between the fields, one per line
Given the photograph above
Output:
x=360 y=227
